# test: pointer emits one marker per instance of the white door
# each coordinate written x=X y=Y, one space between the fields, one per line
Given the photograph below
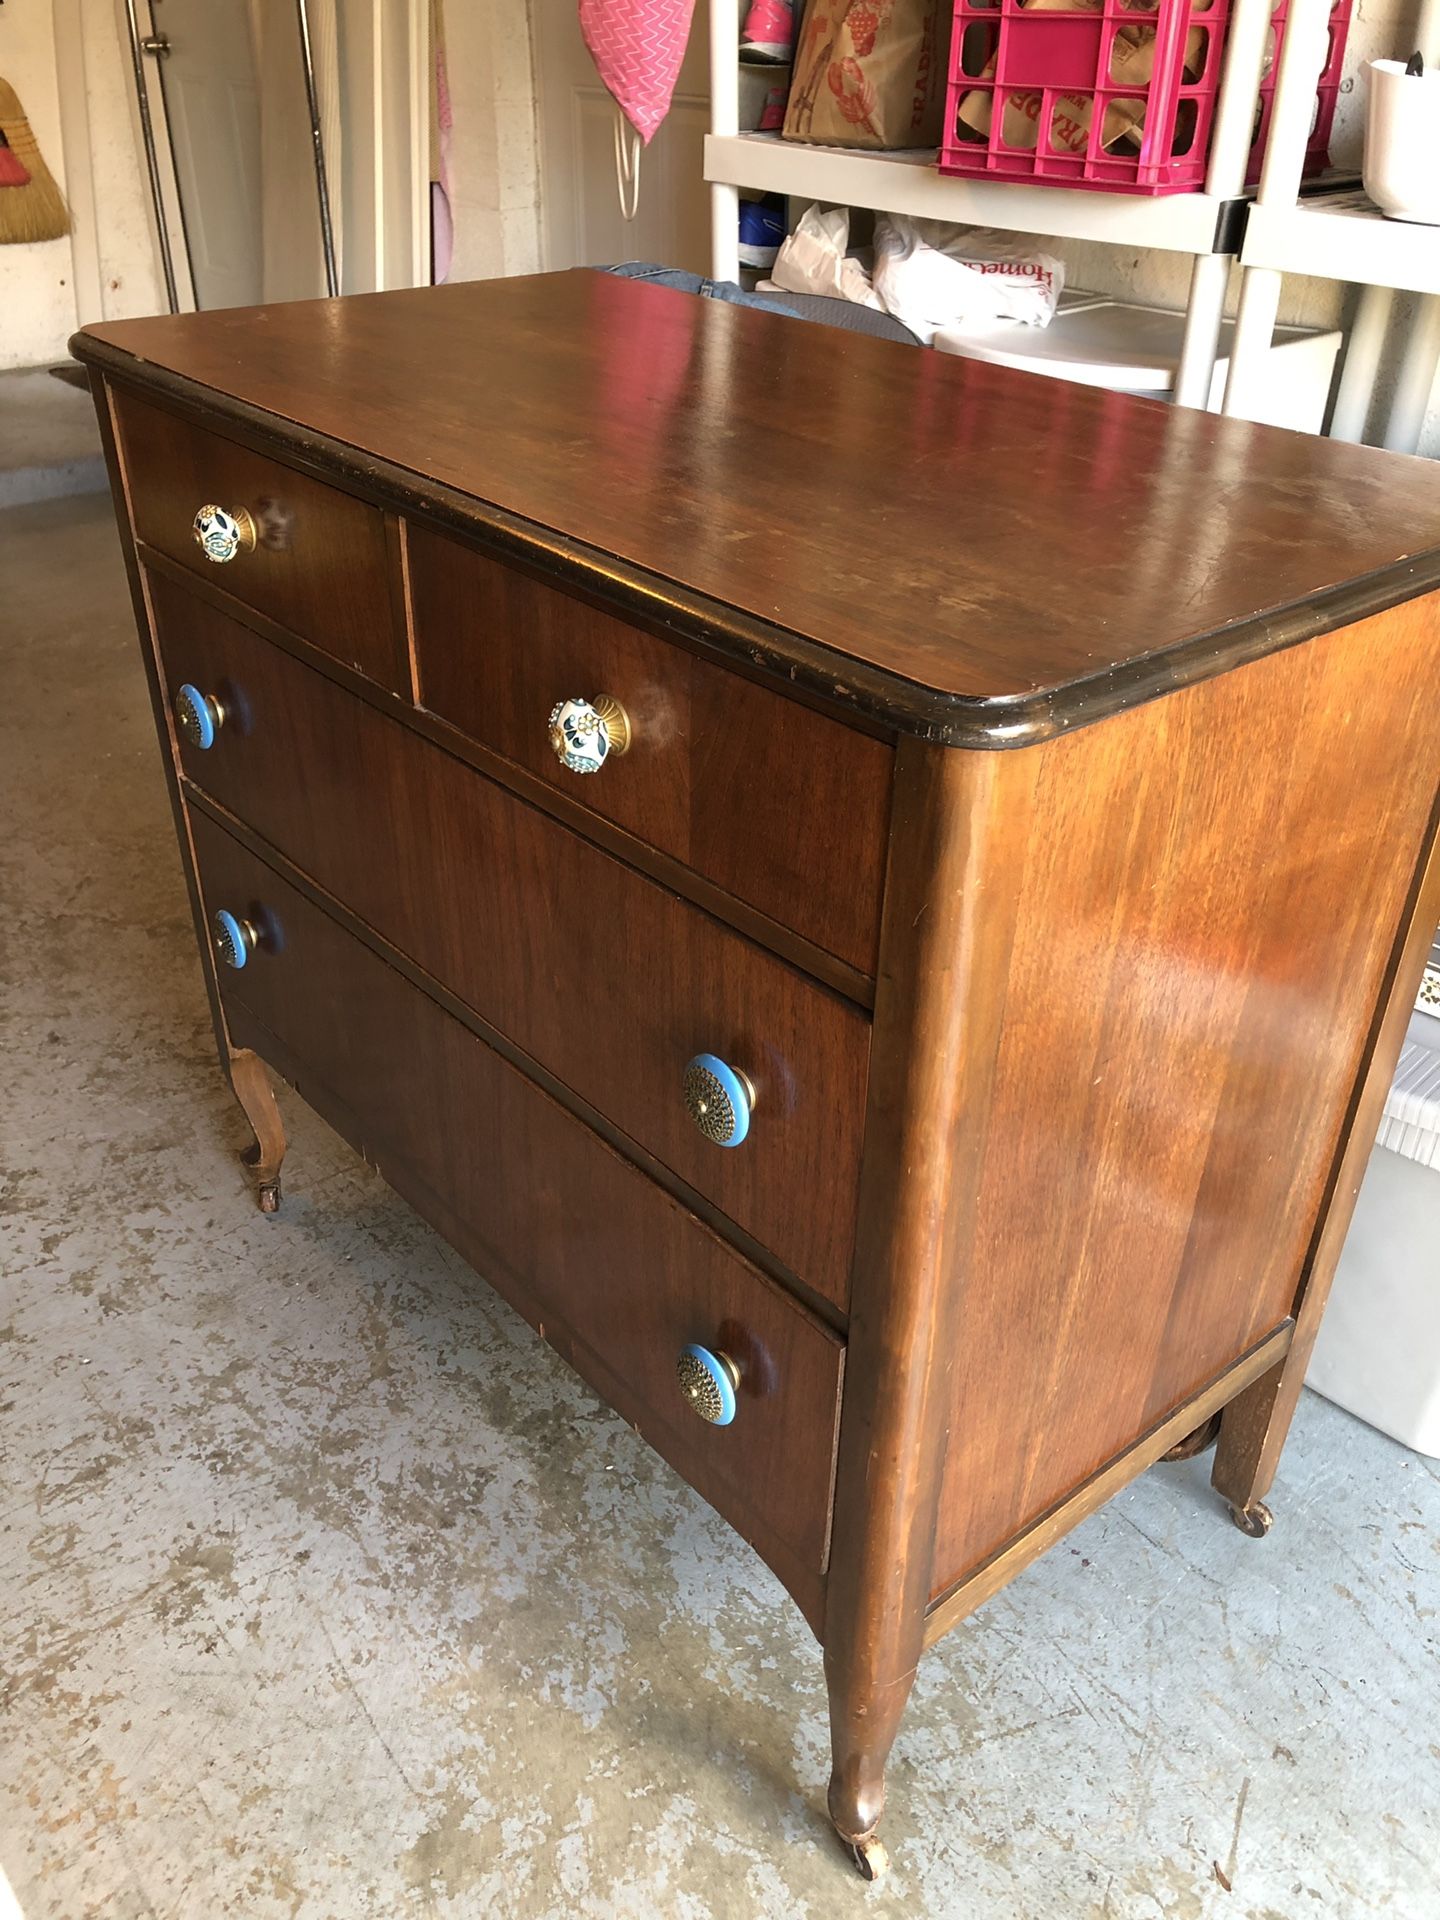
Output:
x=204 y=55
x=579 y=201
x=225 y=82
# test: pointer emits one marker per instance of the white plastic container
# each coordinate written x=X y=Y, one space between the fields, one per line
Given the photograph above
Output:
x=1378 y=1353
x=1402 y=141
x=1102 y=342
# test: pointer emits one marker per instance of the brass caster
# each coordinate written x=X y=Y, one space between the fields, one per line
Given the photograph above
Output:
x=1256 y=1519
x=872 y=1862
x=268 y=1195
x=1205 y=1435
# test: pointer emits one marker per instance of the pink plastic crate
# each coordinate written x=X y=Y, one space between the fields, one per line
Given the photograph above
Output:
x=1317 y=153
x=1088 y=99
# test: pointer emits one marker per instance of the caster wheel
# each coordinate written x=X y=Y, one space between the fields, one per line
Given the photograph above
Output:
x=872 y=1862
x=1256 y=1520
x=269 y=1196
x=1195 y=1443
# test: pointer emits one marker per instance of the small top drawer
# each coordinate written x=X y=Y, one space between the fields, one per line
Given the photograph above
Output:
x=317 y=561
x=776 y=804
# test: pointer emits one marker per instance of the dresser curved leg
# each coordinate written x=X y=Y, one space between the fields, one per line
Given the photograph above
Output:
x=864 y=1719
x=251 y=1086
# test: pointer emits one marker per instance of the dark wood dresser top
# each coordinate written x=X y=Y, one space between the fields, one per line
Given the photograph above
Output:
x=960 y=551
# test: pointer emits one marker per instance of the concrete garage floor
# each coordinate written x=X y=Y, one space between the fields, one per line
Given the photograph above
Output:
x=325 y=1591
x=49 y=442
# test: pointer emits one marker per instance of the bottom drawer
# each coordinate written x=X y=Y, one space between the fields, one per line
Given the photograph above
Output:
x=617 y=1275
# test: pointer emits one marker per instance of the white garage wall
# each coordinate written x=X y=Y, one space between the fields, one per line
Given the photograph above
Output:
x=495 y=177
x=37 y=281
x=106 y=269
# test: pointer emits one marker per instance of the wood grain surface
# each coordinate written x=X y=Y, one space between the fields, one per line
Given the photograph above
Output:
x=595 y=1249
x=1156 y=1444
x=779 y=805
x=1254 y=1429
x=610 y=981
x=1208 y=895
x=670 y=871
x=950 y=900
x=321 y=564
x=1022 y=544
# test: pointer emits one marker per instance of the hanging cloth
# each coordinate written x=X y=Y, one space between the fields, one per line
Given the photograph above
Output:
x=637 y=47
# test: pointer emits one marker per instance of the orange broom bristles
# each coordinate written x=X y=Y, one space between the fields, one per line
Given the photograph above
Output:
x=34 y=208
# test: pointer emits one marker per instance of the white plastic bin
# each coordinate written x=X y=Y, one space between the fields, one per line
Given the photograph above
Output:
x=1102 y=342
x=1378 y=1353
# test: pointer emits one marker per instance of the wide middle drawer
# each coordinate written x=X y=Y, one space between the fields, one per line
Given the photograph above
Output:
x=608 y=980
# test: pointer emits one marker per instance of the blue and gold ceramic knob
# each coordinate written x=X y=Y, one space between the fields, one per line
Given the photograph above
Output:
x=235 y=939
x=719 y=1098
x=199 y=716
x=223 y=534
x=584 y=733
x=708 y=1381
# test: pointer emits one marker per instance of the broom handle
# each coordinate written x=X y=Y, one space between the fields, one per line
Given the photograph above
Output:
x=152 y=165
x=317 y=141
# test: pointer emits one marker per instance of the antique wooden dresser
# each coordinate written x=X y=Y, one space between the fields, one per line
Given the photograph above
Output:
x=874 y=898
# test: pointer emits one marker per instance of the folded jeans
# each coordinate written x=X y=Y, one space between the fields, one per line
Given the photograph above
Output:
x=682 y=282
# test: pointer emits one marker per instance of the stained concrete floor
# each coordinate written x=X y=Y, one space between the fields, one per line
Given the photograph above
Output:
x=49 y=442
x=326 y=1591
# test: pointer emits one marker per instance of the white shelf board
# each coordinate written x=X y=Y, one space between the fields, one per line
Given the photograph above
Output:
x=908 y=183
x=1344 y=236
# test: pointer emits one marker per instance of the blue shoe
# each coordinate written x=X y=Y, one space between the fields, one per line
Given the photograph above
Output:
x=762 y=228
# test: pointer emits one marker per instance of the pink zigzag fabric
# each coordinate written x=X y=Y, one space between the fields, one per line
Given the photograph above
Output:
x=637 y=47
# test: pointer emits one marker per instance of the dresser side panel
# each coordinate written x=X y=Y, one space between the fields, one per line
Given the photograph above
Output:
x=1211 y=893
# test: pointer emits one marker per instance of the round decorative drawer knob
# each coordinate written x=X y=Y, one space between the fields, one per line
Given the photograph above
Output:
x=235 y=939
x=708 y=1381
x=720 y=1100
x=199 y=717
x=584 y=733
x=222 y=534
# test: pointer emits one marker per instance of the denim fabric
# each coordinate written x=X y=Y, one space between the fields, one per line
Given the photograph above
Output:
x=682 y=282
x=795 y=306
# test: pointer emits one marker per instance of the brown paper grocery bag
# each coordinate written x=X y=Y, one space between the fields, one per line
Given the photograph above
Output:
x=869 y=73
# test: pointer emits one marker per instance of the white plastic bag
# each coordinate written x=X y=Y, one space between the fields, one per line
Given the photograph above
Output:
x=813 y=260
x=932 y=276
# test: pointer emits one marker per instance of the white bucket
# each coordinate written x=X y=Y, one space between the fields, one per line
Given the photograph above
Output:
x=1402 y=142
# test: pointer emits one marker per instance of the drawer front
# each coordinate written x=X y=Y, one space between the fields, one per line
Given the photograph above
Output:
x=781 y=807
x=565 y=1227
x=319 y=563
x=608 y=980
